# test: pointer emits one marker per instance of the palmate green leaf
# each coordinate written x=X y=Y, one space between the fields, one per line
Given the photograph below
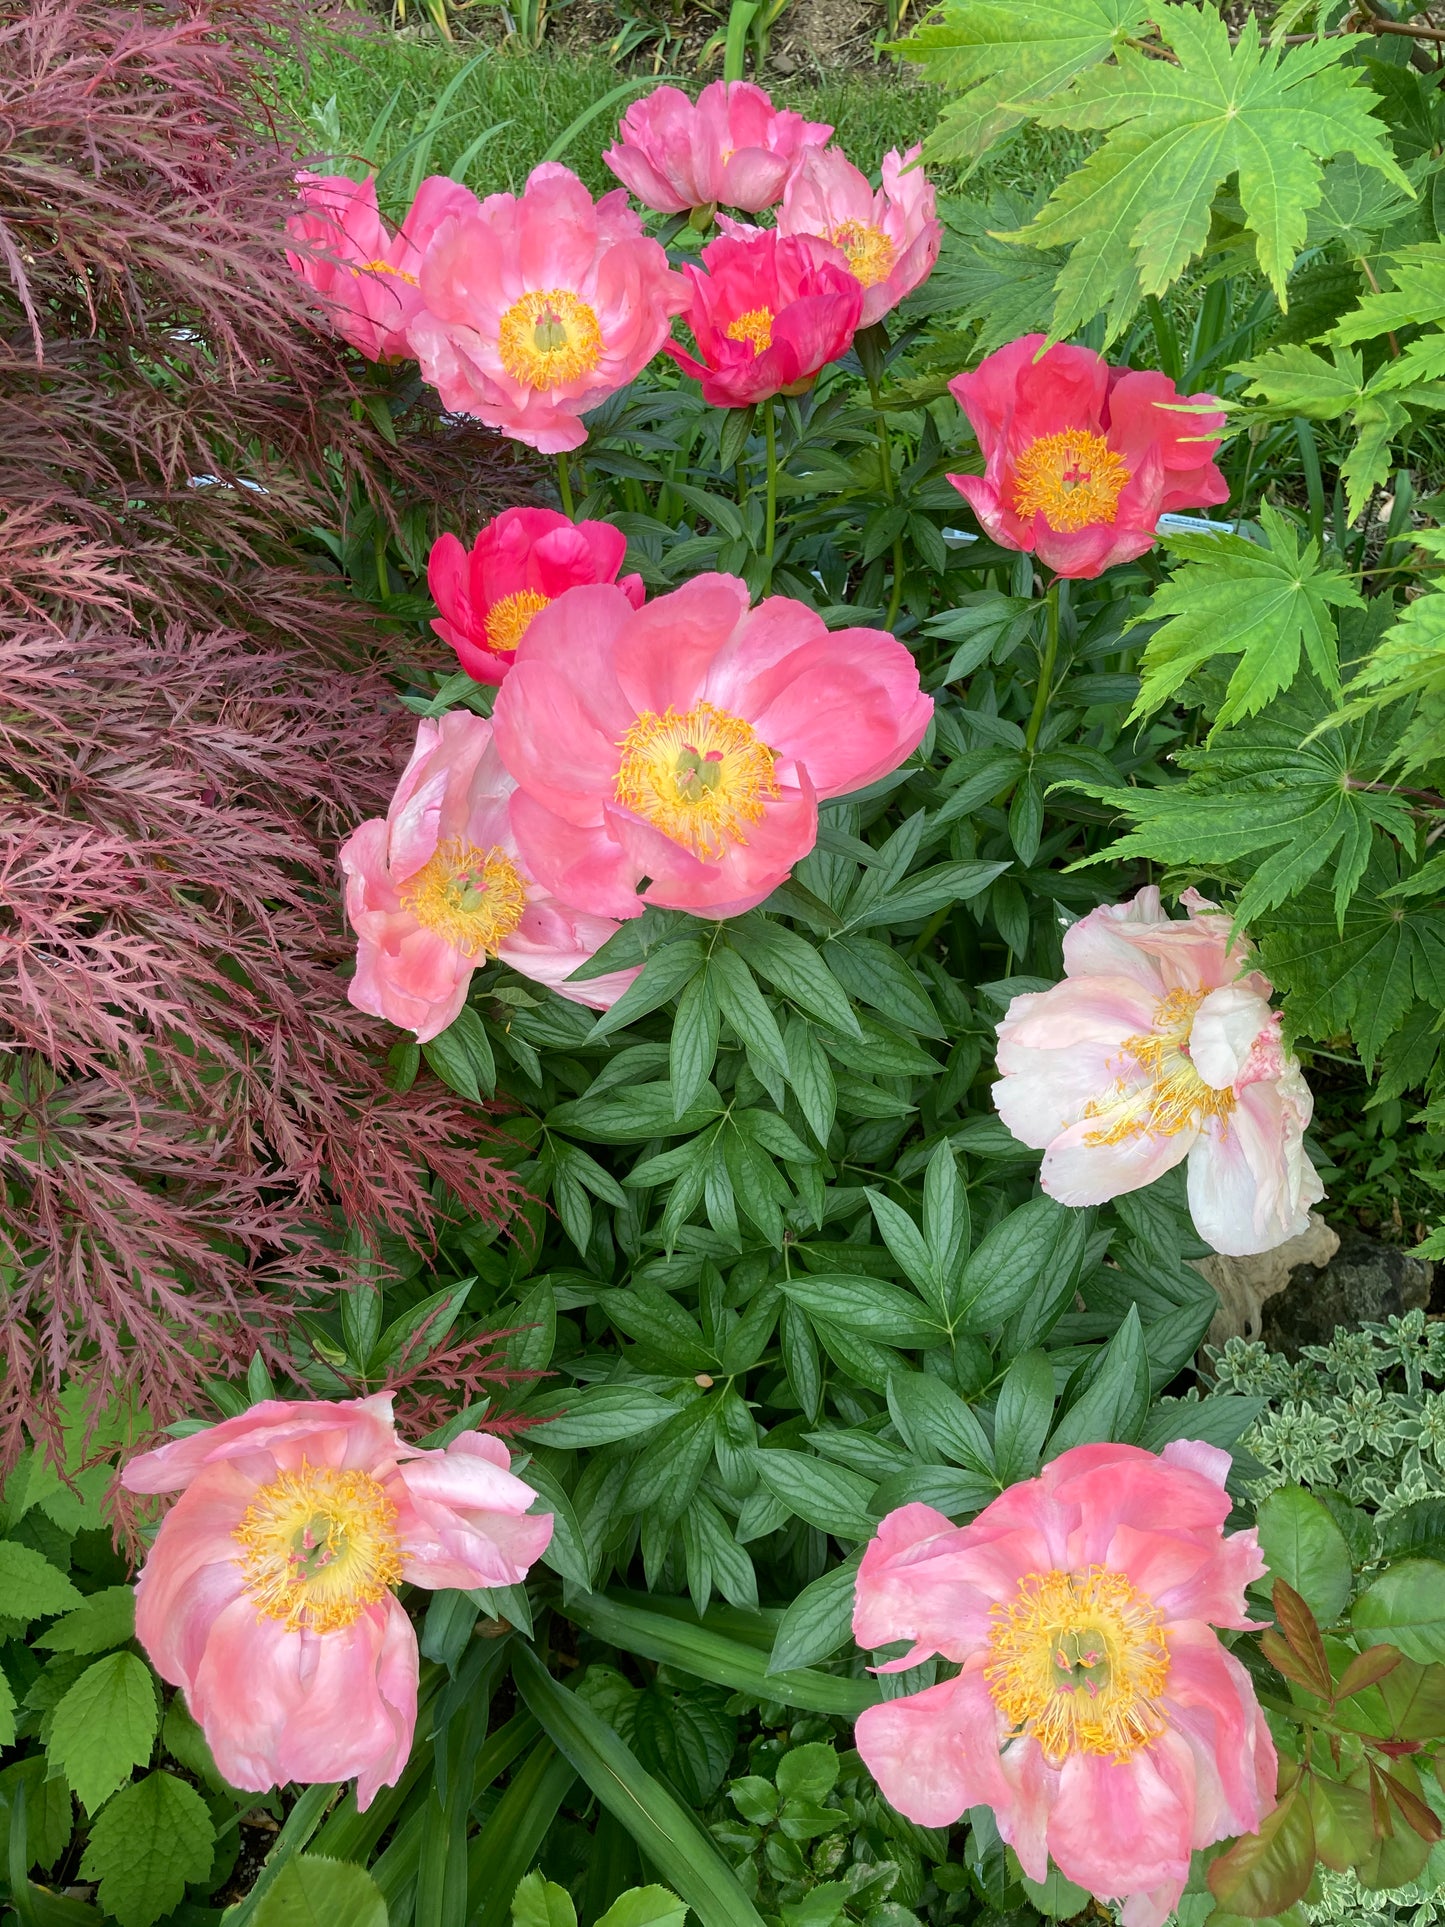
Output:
x=1416 y=299
x=1003 y=55
x=1362 y=976
x=1271 y=799
x=1234 y=597
x=1408 y=665
x=1138 y=211
x=1291 y=381
x=987 y=282
x=1356 y=206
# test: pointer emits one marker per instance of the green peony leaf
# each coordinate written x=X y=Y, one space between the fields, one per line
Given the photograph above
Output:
x=1138 y=210
x=104 y=1726
x=145 y=1845
x=1235 y=597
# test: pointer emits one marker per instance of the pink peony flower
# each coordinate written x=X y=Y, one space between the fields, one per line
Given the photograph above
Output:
x=1082 y=459
x=268 y=1594
x=769 y=312
x=734 y=147
x=538 y=307
x=520 y=562
x=1160 y=1045
x=440 y=885
x=368 y=276
x=890 y=239
x=690 y=741
x=1096 y=1712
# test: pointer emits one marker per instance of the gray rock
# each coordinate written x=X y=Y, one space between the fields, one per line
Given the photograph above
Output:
x=1363 y=1283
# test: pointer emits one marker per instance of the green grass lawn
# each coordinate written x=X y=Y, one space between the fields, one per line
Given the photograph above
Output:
x=533 y=99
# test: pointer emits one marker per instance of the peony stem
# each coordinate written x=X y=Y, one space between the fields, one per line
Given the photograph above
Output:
x=1046 y=667
x=770 y=525
x=885 y=476
x=564 y=485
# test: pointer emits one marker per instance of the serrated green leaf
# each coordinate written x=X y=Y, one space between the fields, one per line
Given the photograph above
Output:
x=1277 y=800
x=1138 y=210
x=105 y=1726
x=30 y=1587
x=313 y=1891
x=1303 y=1546
x=996 y=56
x=539 y=1902
x=145 y=1845
x=1407 y=665
x=1416 y=299
x=645 y=1907
x=1235 y=597
x=106 y=1619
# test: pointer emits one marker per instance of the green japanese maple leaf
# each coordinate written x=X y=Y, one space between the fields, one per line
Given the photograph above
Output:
x=1292 y=380
x=1138 y=210
x=1408 y=665
x=1363 y=976
x=996 y=56
x=1271 y=806
x=1236 y=597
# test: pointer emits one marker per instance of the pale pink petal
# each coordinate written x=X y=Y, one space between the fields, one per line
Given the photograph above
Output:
x=936 y=1753
x=460 y=1517
x=349 y=1432
x=1120 y=1826
x=1251 y=1184
x=1080 y=1167
x=1226 y=1029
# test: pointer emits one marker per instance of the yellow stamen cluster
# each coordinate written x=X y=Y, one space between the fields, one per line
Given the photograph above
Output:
x=1073 y=479
x=756 y=326
x=700 y=778
x=1078 y=1660
x=318 y=1546
x=473 y=898
x=509 y=618
x=385 y=267
x=548 y=338
x=870 y=252
x=1176 y=1097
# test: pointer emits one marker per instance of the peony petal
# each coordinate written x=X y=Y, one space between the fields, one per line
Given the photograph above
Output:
x=935 y=1753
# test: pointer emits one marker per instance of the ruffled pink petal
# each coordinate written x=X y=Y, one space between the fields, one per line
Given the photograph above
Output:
x=1200 y=1577
x=586 y=867
x=1210 y=1706
x=352 y=1432
x=192 y=1571
x=928 y=1581
x=1251 y=1184
x=662 y=656
x=1120 y=1827
x=277 y=1705
x=460 y=1517
x=1080 y=1167
x=743 y=876
x=935 y=1753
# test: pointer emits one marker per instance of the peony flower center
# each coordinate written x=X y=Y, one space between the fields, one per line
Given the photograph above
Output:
x=548 y=338
x=1073 y=479
x=318 y=1547
x=756 y=326
x=473 y=898
x=870 y=252
x=1176 y=1097
x=700 y=778
x=385 y=267
x=1078 y=1661
x=510 y=617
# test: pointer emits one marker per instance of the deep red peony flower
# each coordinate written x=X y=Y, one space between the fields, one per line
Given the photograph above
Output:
x=524 y=559
x=1082 y=459
x=767 y=314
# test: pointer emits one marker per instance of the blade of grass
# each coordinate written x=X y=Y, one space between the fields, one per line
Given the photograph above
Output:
x=565 y=139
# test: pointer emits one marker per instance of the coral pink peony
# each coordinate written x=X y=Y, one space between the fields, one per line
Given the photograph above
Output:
x=536 y=308
x=1096 y=1713
x=690 y=741
x=368 y=276
x=1082 y=459
x=519 y=563
x=439 y=886
x=1160 y=1045
x=733 y=148
x=769 y=312
x=267 y=1596
x=891 y=238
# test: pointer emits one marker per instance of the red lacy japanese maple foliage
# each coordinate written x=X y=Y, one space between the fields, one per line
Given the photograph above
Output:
x=193 y=711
